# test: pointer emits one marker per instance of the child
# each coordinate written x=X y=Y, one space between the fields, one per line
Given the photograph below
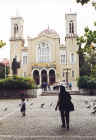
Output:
x=70 y=85
x=23 y=107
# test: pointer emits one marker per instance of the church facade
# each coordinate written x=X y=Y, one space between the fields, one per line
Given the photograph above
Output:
x=44 y=58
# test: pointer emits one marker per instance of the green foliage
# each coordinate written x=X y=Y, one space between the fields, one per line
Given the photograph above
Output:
x=80 y=40
x=83 y=82
x=86 y=82
x=83 y=1
x=95 y=23
x=80 y=51
x=93 y=71
x=17 y=83
x=92 y=84
x=2 y=71
x=87 y=53
x=2 y=43
x=85 y=69
x=87 y=39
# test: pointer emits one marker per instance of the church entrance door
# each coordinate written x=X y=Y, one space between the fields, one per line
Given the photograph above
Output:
x=51 y=77
x=44 y=77
x=36 y=77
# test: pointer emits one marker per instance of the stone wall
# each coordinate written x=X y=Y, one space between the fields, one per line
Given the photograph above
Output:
x=11 y=93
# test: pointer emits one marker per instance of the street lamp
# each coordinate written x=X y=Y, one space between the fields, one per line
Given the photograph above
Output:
x=67 y=69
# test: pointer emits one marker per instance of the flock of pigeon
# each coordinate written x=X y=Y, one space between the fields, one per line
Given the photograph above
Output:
x=91 y=105
x=42 y=105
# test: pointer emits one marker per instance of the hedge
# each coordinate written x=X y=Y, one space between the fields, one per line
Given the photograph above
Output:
x=17 y=83
x=86 y=82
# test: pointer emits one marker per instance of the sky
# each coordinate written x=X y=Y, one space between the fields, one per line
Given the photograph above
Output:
x=39 y=14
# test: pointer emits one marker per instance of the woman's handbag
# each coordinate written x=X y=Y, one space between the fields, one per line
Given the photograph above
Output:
x=71 y=107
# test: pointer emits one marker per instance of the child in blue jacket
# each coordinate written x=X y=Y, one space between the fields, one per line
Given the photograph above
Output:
x=23 y=107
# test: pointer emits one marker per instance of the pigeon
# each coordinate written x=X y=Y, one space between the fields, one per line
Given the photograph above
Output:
x=51 y=104
x=5 y=109
x=19 y=104
x=94 y=108
x=89 y=106
x=42 y=105
x=93 y=112
x=31 y=104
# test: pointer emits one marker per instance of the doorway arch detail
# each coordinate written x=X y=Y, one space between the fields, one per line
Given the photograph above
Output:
x=36 y=77
x=52 y=77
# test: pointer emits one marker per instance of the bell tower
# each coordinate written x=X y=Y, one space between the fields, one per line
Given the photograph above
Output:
x=72 y=58
x=16 y=39
x=17 y=24
x=71 y=24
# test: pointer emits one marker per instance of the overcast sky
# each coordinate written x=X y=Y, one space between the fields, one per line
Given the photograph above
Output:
x=38 y=14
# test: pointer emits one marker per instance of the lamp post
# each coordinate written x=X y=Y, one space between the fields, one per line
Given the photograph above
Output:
x=67 y=69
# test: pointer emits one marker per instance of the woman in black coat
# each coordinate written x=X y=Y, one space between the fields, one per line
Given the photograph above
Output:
x=65 y=106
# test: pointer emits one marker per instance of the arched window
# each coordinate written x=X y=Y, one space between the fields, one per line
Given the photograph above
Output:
x=51 y=77
x=24 y=58
x=72 y=73
x=39 y=52
x=63 y=59
x=15 y=28
x=71 y=27
x=43 y=53
x=72 y=58
x=63 y=74
x=36 y=77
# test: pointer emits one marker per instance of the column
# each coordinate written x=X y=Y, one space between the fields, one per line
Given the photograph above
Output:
x=40 y=77
x=48 y=76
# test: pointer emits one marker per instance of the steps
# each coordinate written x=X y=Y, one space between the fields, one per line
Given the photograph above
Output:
x=52 y=93
x=7 y=137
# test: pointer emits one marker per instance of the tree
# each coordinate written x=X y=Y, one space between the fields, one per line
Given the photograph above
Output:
x=83 y=65
x=80 y=40
x=87 y=53
x=85 y=69
x=2 y=67
x=2 y=43
x=2 y=71
x=82 y=1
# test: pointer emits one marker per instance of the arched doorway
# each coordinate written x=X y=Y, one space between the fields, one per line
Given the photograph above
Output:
x=36 y=77
x=44 y=76
x=51 y=77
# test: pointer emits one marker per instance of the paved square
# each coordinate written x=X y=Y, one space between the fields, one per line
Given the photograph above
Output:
x=44 y=123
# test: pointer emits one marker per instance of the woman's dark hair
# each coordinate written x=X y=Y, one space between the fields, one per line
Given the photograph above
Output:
x=62 y=89
x=23 y=99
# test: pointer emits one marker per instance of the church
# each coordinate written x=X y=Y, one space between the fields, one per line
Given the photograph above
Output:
x=44 y=58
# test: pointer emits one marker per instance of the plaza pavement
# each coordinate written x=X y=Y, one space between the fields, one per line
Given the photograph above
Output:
x=44 y=123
